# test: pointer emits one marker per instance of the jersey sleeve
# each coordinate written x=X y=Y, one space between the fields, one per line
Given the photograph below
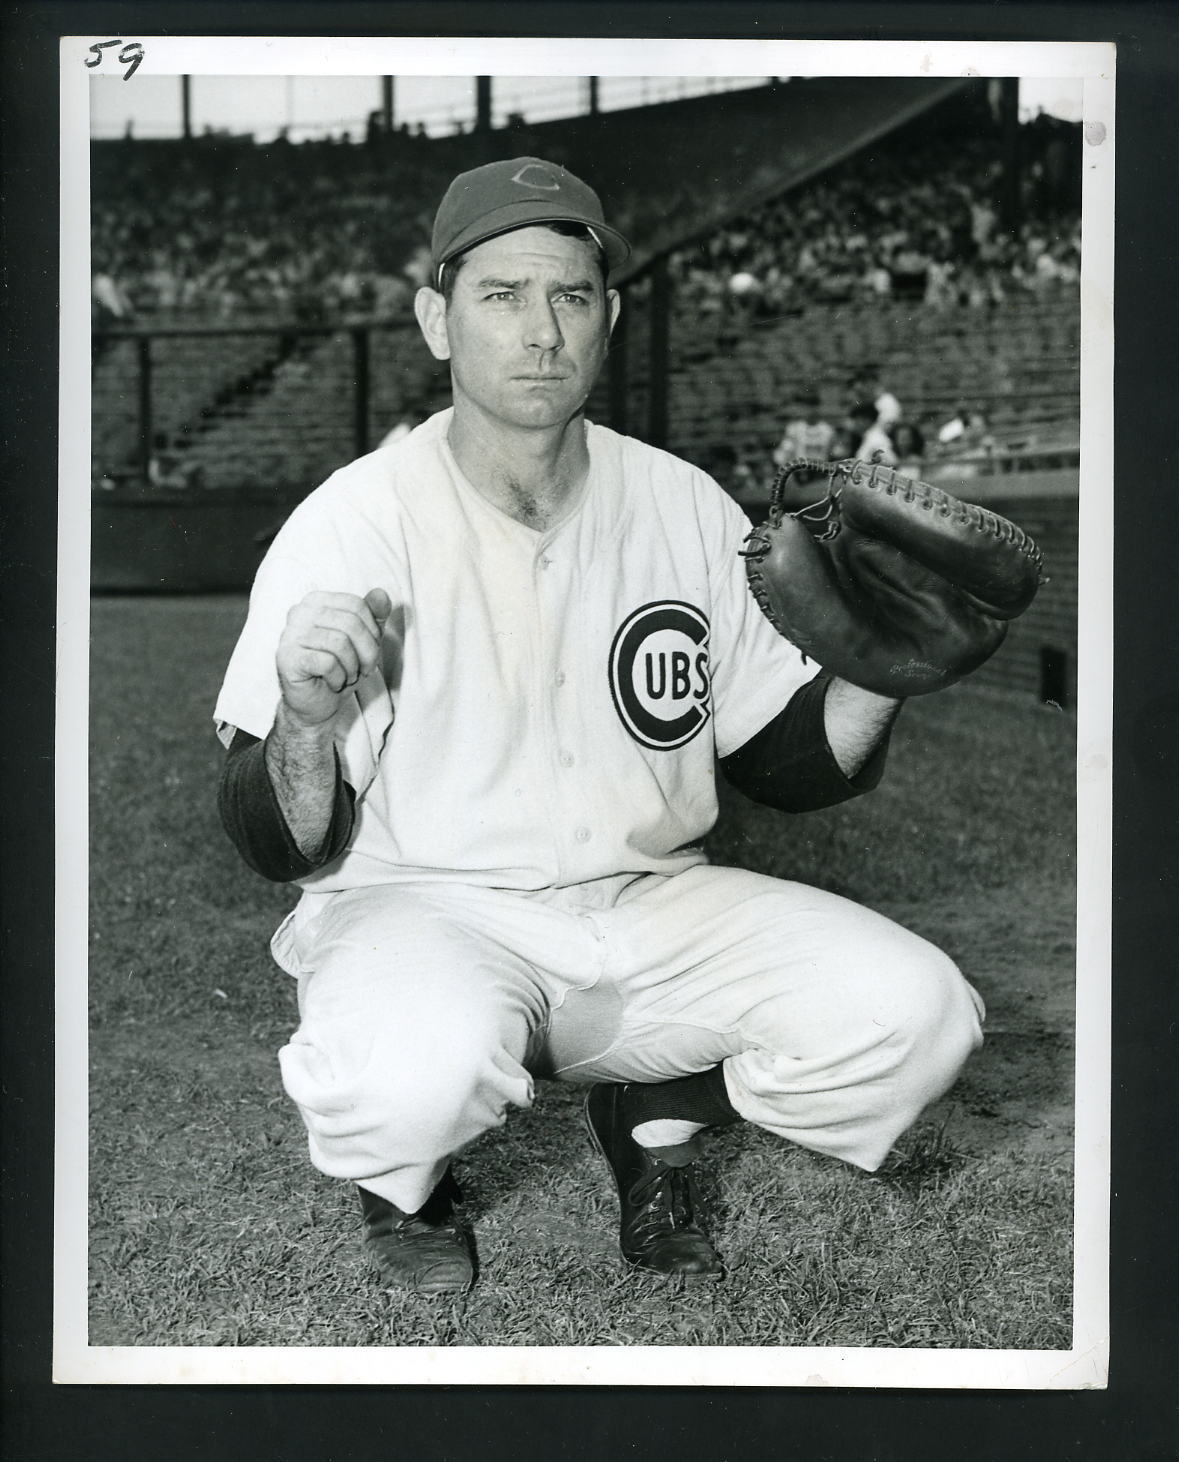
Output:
x=324 y=545
x=250 y=691
x=755 y=670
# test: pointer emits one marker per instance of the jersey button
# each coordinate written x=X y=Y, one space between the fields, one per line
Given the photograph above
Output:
x=566 y=758
x=582 y=834
x=561 y=677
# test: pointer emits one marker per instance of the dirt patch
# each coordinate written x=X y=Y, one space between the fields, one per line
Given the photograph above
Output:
x=1017 y=946
x=1016 y=1093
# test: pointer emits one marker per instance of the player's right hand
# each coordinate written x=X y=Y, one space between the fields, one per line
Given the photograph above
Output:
x=330 y=641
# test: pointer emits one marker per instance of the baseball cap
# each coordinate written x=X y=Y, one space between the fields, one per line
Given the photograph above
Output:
x=501 y=196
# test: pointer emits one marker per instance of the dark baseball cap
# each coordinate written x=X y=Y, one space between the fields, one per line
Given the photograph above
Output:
x=501 y=196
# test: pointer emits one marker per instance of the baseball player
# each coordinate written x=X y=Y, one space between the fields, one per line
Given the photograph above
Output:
x=475 y=715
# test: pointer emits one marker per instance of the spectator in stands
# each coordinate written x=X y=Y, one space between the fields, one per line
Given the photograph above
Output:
x=167 y=468
x=977 y=436
x=869 y=435
x=162 y=281
x=983 y=219
x=809 y=437
x=967 y=439
x=876 y=280
x=838 y=282
x=110 y=303
x=908 y=445
x=1054 y=264
x=975 y=287
x=940 y=289
x=806 y=434
x=866 y=385
x=744 y=295
x=909 y=268
x=755 y=470
x=951 y=430
x=845 y=441
x=777 y=295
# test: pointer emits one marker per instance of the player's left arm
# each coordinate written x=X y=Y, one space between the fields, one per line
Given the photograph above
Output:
x=253 y=816
x=856 y=722
x=827 y=745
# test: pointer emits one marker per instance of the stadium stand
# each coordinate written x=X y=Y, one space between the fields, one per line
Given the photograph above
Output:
x=1018 y=365
x=220 y=227
x=848 y=175
x=248 y=444
x=807 y=231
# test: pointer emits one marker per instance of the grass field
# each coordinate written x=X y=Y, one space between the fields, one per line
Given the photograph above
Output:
x=209 y=1226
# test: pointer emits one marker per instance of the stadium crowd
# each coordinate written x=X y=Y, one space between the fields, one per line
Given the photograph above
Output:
x=872 y=426
x=222 y=229
x=891 y=223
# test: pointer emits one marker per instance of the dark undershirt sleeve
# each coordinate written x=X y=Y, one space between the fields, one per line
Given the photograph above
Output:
x=252 y=817
x=789 y=765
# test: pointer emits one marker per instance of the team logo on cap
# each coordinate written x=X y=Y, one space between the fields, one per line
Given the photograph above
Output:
x=532 y=175
x=659 y=674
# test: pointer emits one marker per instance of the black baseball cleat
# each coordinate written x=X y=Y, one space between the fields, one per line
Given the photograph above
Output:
x=428 y=1252
x=657 y=1227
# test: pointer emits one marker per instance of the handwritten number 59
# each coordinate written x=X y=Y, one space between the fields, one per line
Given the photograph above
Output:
x=130 y=56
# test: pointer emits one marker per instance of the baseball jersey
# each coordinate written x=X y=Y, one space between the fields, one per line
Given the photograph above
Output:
x=548 y=705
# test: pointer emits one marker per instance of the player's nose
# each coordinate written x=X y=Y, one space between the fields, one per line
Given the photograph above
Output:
x=541 y=326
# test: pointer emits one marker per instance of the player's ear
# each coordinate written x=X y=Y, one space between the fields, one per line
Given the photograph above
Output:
x=613 y=306
x=430 y=308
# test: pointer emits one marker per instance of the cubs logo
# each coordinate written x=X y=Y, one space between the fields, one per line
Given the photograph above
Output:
x=536 y=175
x=659 y=674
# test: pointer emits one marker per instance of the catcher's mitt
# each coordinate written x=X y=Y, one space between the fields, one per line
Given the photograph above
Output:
x=890 y=583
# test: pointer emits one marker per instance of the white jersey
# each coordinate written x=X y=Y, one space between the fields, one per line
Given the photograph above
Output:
x=549 y=704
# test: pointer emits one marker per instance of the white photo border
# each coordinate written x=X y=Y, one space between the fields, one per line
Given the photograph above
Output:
x=1085 y=1363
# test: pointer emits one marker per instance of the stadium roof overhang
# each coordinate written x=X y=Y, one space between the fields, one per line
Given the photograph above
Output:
x=726 y=154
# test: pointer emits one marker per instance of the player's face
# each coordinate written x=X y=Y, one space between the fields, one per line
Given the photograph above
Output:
x=526 y=328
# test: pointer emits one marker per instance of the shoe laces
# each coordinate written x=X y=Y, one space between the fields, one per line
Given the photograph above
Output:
x=414 y=1226
x=663 y=1199
x=436 y=1217
x=437 y=1214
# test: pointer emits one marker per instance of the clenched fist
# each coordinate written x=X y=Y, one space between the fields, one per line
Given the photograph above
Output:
x=329 y=643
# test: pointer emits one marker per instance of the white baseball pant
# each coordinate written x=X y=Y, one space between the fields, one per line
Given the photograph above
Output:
x=426 y=1010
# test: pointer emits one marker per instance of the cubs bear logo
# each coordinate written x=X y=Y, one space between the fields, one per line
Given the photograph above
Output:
x=659 y=674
